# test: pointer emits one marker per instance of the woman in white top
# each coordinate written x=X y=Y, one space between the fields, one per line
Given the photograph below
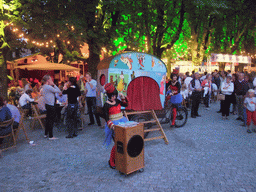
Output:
x=227 y=88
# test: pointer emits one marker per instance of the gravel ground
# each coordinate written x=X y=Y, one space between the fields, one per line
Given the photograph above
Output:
x=207 y=154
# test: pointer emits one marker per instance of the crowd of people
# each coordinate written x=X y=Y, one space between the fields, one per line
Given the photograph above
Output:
x=55 y=99
x=236 y=90
x=68 y=97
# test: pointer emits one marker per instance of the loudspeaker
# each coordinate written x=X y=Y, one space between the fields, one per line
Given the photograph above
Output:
x=129 y=142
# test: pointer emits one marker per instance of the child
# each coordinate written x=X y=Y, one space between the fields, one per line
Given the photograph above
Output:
x=249 y=104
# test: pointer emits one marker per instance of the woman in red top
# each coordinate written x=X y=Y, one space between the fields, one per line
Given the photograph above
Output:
x=113 y=116
x=176 y=98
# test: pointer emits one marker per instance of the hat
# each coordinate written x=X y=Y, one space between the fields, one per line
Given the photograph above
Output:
x=109 y=87
x=250 y=91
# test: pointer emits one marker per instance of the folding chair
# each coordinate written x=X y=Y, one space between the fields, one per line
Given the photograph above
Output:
x=23 y=115
x=4 y=125
x=37 y=116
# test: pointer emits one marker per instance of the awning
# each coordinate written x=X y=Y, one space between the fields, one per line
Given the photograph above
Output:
x=48 y=67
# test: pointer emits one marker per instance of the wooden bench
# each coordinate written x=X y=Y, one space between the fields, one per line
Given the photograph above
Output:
x=10 y=135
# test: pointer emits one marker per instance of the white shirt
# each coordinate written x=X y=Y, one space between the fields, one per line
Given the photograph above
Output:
x=24 y=99
x=203 y=78
x=187 y=81
x=15 y=112
x=229 y=86
x=91 y=91
x=254 y=84
x=197 y=85
x=250 y=103
x=222 y=80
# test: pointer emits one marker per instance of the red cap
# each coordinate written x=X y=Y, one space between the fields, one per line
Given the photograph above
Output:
x=109 y=87
x=175 y=71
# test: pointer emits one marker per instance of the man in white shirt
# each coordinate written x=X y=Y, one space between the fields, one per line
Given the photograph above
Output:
x=91 y=98
x=25 y=99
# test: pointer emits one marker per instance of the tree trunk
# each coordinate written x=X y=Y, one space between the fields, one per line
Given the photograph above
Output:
x=94 y=58
x=158 y=52
x=222 y=66
x=3 y=74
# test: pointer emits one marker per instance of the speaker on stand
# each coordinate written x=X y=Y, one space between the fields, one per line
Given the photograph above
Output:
x=129 y=142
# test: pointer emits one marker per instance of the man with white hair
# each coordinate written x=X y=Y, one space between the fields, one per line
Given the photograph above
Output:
x=196 y=88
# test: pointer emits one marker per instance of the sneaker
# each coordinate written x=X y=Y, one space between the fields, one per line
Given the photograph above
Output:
x=75 y=135
x=69 y=136
x=207 y=108
x=227 y=118
x=45 y=136
x=249 y=131
x=91 y=124
x=53 y=138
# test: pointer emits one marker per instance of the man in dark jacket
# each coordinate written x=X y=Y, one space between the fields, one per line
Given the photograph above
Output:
x=196 y=88
x=241 y=88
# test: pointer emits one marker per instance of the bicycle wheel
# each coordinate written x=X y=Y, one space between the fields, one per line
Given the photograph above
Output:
x=142 y=118
x=167 y=116
x=181 y=117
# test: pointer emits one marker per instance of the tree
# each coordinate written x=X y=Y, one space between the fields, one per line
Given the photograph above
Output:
x=8 y=15
x=203 y=17
x=234 y=32
x=99 y=20
x=49 y=22
x=152 y=26
x=71 y=23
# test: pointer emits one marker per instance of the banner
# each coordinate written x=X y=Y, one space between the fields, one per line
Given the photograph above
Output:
x=230 y=58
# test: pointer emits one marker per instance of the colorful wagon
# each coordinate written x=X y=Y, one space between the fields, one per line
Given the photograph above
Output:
x=140 y=76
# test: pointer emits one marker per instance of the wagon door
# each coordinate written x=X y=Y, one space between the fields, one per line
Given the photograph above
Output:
x=143 y=94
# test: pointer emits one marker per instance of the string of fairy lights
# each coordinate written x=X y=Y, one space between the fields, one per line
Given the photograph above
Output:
x=179 y=50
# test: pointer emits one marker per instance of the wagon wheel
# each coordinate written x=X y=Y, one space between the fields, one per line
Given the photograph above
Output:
x=182 y=117
x=142 y=118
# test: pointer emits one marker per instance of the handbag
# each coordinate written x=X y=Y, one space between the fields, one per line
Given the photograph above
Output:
x=220 y=97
